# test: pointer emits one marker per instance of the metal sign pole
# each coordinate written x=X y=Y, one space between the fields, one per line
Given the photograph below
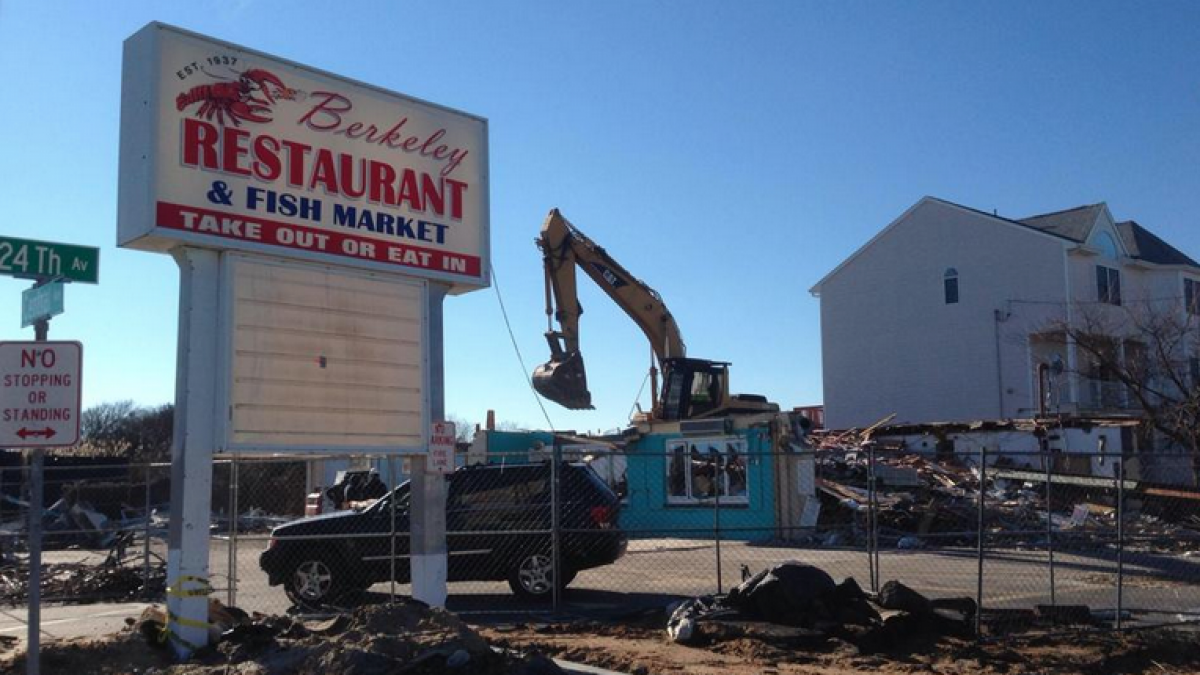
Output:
x=33 y=645
x=33 y=650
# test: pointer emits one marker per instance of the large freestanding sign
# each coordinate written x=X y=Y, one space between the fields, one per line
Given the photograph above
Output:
x=318 y=223
x=224 y=147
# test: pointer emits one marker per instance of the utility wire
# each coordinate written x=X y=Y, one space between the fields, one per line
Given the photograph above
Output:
x=513 y=338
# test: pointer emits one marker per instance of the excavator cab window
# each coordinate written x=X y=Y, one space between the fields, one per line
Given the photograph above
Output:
x=692 y=387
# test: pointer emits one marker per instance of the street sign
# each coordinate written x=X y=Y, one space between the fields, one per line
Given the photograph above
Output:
x=39 y=394
x=41 y=302
x=441 y=448
x=47 y=260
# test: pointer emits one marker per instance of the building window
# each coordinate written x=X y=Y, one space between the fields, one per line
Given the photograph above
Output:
x=1108 y=285
x=1190 y=296
x=1107 y=245
x=950 y=286
x=701 y=470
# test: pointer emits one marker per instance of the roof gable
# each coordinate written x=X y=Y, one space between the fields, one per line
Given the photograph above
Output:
x=1074 y=224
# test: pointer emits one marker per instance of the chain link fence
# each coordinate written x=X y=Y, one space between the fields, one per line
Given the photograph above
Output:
x=1039 y=541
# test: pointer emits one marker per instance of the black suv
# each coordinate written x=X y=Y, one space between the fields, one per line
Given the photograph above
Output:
x=498 y=524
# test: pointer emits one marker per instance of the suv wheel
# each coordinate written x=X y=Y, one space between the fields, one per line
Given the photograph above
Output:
x=533 y=577
x=315 y=580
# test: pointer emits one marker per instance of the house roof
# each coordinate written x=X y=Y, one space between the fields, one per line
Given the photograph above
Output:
x=1076 y=224
x=1146 y=245
x=1071 y=224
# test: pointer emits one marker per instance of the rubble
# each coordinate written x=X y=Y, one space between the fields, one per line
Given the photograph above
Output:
x=84 y=582
x=919 y=500
x=407 y=637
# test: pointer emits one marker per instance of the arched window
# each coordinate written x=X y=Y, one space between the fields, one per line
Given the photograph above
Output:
x=950 y=285
x=1107 y=245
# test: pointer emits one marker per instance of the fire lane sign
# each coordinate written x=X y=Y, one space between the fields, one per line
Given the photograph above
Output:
x=441 y=448
x=40 y=394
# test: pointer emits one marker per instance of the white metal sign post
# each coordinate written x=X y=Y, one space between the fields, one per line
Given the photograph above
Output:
x=318 y=224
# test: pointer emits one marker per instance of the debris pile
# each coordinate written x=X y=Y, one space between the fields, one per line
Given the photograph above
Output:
x=816 y=609
x=84 y=582
x=407 y=637
x=921 y=501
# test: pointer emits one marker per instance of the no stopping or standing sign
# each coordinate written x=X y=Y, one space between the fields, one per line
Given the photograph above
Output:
x=40 y=394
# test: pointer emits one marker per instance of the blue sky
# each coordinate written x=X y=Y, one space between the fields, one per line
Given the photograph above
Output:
x=728 y=153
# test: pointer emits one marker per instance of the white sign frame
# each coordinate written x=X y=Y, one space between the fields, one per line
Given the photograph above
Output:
x=144 y=176
x=74 y=396
x=225 y=430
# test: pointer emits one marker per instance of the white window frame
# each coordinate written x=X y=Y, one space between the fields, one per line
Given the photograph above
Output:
x=1108 y=296
x=703 y=445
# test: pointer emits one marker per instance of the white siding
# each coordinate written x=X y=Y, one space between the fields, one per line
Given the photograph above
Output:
x=891 y=345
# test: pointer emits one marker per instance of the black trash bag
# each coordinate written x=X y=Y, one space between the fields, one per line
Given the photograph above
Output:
x=790 y=593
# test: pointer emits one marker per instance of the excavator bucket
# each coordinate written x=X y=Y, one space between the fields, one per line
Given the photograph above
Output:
x=563 y=380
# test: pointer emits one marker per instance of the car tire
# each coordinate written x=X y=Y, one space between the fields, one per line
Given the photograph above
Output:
x=316 y=580
x=532 y=578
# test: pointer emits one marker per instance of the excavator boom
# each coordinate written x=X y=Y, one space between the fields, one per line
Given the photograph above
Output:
x=563 y=379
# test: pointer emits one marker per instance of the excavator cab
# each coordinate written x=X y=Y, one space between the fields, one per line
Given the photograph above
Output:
x=693 y=387
x=696 y=388
x=563 y=378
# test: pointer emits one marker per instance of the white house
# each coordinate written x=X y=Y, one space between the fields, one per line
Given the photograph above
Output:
x=943 y=315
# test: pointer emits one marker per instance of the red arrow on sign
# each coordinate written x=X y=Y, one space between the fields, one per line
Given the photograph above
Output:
x=26 y=433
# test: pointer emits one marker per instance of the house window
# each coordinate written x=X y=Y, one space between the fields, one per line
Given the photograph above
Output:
x=950 y=286
x=1107 y=245
x=701 y=470
x=1108 y=285
x=1190 y=297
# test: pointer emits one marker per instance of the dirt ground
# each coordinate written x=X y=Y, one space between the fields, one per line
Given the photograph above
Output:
x=746 y=649
x=413 y=639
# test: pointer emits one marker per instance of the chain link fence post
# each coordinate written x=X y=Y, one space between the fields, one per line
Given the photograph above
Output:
x=231 y=573
x=555 y=528
x=391 y=464
x=982 y=514
x=1120 y=540
x=718 y=484
x=1047 y=460
x=149 y=471
x=872 y=520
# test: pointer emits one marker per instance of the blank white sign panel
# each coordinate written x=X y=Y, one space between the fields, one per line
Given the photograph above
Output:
x=325 y=360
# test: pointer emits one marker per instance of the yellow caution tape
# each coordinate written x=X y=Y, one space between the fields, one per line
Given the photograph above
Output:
x=180 y=592
x=191 y=623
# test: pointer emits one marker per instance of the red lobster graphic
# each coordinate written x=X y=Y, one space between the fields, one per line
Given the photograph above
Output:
x=237 y=99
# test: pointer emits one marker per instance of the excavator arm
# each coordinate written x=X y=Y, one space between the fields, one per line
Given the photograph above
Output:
x=564 y=379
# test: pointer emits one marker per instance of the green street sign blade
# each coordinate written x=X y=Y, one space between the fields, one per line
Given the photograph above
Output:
x=34 y=259
x=41 y=302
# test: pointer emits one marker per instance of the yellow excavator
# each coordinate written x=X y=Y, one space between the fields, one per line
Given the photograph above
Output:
x=691 y=388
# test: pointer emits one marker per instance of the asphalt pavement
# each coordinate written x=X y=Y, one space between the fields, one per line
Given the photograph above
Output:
x=1158 y=587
